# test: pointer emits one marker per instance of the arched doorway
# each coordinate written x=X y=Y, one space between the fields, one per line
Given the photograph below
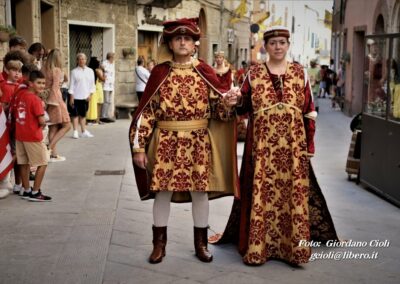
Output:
x=380 y=25
x=203 y=49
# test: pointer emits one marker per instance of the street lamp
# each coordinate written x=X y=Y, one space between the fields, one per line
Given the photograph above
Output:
x=312 y=9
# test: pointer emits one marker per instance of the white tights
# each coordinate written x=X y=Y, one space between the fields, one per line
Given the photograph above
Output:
x=162 y=206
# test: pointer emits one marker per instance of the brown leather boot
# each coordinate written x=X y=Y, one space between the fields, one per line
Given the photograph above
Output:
x=200 y=244
x=159 y=243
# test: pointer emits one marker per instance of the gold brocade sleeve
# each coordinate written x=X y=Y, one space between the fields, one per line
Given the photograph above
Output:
x=218 y=110
x=145 y=125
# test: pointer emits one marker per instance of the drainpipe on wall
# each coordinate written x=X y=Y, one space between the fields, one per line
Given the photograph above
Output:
x=221 y=24
x=59 y=24
x=8 y=13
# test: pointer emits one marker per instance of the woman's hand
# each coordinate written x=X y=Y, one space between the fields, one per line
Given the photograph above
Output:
x=140 y=159
x=231 y=97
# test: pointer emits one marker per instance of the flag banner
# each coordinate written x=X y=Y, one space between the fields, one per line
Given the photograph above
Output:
x=6 y=159
x=239 y=12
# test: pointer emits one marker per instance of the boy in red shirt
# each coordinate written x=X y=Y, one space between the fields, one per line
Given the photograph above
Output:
x=24 y=57
x=29 y=122
x=26 y=69
x=7 y=89
x=9 y=86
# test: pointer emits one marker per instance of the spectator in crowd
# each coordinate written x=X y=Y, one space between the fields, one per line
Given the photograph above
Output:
x=37 y=50
x=313 y=73
x=17 y=43
x=8 y=88
x=150 y=64
x=223 y=70
x=107 y=112
x=21 y=56
x=96 y=101
x=31 y=151
x=241 y=74
x=59 y=120
x=80 y=90
x=15 y=55
x=323 y=81
x=26 y=69
x=141 y=77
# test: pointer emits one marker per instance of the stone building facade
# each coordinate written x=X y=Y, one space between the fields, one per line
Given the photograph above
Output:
x=217 y=31
x=352 y=21
x=128 y=28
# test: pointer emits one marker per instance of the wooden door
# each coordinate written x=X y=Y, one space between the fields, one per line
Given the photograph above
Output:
x=147 y=45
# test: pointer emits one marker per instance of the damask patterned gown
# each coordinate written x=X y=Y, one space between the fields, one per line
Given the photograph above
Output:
x=225 y=77
x=182 y=158
x=279 y=216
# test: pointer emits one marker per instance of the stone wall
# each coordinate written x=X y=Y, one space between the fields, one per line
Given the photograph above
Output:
x=4 y=45
x=216 y=29
x=122 y=15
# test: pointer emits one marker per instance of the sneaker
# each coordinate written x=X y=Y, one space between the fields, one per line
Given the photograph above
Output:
x=17 y=189
x=107 y=120
x=25 y=195
x=39 y=197
x=87 y=134
x=75 y=134
x=57 y=158
x=4 y=193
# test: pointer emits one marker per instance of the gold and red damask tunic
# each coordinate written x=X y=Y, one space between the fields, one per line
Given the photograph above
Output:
x=178 y=115
x=282 y=139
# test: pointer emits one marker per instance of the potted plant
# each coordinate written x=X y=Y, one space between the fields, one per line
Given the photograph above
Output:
x=128 y=51
x=6 y=32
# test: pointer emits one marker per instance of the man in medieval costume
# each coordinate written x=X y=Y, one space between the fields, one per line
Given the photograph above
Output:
x=182 y=137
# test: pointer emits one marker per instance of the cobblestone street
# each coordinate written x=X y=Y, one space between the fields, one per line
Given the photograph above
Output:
x=97 y=230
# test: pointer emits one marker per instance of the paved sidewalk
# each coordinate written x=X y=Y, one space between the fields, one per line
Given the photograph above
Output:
x=98 y=231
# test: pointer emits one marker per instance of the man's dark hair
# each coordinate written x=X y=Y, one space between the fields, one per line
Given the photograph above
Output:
x=94 y=63
x=36 y=74
x=14 y=55
x=244 y=63
x=28 y=68
x=24 y=57
x=109 y=55
x=17 y=40
x=36 y=47
x=140 y=60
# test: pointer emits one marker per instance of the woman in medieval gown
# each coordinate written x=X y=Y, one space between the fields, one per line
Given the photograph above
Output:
x=280 y=201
